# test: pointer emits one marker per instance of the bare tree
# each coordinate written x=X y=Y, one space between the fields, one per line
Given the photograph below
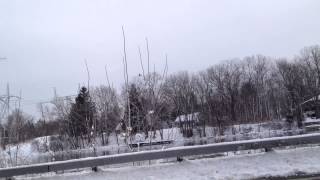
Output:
x=310 y=57
x=108 y=111
x=180 y=90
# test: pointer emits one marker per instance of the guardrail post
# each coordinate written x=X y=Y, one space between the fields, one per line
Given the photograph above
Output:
x=95 y=169
x=268 y=149
x=179 y=159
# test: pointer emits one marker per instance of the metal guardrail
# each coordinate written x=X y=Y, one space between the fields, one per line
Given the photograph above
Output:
x=161 y=154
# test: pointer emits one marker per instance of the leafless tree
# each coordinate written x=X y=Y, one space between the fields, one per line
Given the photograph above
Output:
x=108 y=111
x=310 y=57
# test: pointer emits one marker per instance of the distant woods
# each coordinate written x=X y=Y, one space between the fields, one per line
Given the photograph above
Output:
x=252 y=89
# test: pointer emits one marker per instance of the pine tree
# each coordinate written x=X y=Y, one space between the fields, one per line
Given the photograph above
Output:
x=82 y=115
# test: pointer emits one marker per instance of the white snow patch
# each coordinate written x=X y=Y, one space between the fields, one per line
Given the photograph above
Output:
x=189 y=117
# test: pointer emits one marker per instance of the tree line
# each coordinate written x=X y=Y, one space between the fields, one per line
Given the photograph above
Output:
x=248 y=90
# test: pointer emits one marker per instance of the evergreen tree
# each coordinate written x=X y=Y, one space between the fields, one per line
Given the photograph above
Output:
x=82 y=115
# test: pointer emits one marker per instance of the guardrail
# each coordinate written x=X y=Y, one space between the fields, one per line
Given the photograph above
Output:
x=161 y=154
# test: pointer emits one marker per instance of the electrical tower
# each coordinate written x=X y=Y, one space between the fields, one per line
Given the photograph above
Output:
x=7 y=101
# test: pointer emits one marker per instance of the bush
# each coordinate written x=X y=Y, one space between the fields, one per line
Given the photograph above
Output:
x=56 y=143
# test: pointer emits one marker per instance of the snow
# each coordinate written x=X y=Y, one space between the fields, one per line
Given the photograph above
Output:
x=33 y=151
x=311 y=120
x=188 y=117
x=25 y=152
x=313 y=126
x=192 y=147
x=251 y=141
x=276 y=163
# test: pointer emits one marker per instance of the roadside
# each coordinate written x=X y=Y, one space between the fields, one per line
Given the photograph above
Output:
x=278 y=164
x=299 y=176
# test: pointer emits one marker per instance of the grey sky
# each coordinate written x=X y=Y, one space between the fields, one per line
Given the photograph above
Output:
x=46 y=42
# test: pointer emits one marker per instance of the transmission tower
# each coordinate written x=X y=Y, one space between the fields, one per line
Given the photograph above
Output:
x=6 y=104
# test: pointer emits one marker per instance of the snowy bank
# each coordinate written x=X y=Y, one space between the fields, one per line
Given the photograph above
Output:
x=277 y=163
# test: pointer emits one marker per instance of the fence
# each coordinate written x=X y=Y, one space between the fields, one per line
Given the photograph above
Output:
x=161 y=154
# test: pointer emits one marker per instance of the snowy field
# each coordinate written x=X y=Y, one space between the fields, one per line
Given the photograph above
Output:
x=32 y=152
x=276 y=163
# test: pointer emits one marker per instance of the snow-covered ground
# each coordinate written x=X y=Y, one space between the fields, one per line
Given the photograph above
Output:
x=311 y=120
x=32 y=152
x=23 y=153
x=276 y=163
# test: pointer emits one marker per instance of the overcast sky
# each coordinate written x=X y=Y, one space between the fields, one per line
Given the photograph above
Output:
x=45 y=42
